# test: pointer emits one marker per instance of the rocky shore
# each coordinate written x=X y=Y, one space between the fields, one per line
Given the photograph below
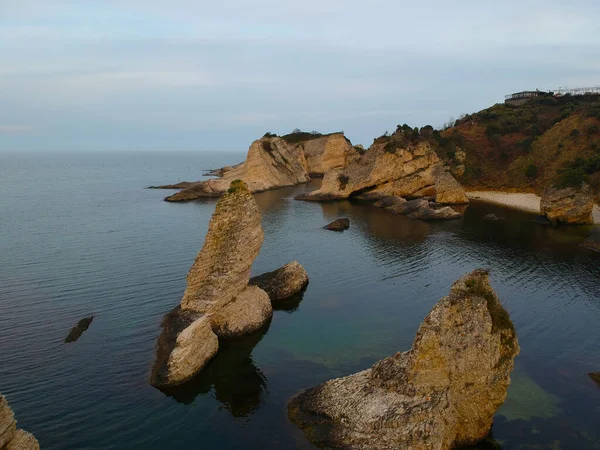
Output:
x=12 y=438
x=439 y=395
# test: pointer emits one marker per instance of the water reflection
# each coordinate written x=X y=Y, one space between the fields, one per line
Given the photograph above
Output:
x=237 y=382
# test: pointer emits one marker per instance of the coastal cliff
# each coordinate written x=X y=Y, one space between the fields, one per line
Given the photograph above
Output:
x=439 y=395
x=12 y=438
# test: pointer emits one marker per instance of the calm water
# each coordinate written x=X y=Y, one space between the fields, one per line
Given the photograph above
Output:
x=79 y=235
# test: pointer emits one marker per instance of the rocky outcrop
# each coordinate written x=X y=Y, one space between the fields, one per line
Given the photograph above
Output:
x=219 y=301
x=448 y=191
x=333 y=151
x=568 y=206
x=340 y=224
x=418 y=208
x=283 y=282
x=78 y=329
x=10 y=437
x=440 y=394
x=271 y=163
x=386 y=169
x=434 y=211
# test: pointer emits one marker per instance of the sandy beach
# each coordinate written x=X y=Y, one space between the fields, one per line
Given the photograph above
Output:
x=522 y=201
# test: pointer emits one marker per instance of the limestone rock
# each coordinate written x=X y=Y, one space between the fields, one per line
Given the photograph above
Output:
x=593 y=241
x=283 y=282
x=338 y=225
x=222 y=268
x=271 y=163
x=435 y=213
x=568 y=205
x=10 y=437
x=391 y=168
x=333 y=151
x=440 y=394
x=184 y=347
x=390 y=201
x=409 y=206
x=78 y=329
x=250 y=310
x=449 y=191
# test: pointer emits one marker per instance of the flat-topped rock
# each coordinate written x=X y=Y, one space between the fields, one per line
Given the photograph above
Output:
x=440 y=394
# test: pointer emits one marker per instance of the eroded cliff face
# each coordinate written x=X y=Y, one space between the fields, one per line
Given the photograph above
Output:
x=388 y=168
x=271 y=163
x=440 y=394
x=12 y=438
x=569 y=205
x=328 y=152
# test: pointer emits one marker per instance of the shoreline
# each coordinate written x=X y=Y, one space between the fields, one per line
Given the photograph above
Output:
x=517 y=200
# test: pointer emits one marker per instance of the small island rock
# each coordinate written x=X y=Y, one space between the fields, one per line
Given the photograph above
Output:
x=78 y=329
x=568 y=206
x=338 y=225
x=283 y=282
x=440 y=394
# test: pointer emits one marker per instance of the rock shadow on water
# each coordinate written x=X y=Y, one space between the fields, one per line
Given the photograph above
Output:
x=233 y=376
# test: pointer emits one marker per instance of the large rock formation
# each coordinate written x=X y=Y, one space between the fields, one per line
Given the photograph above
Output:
x=218 y=302
x=273 y=162
x=440 y=394
x=392 y=166
x=419 y=208
x=332 y=151
x=569 y=205
x=283 y=282
x=10 y=437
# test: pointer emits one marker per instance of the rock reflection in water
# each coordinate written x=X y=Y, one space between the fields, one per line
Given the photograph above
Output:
x=238 y=384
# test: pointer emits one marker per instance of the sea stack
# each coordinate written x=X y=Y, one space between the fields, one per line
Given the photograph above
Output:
x=219 y=301
x=439 y=395
x=10 y=437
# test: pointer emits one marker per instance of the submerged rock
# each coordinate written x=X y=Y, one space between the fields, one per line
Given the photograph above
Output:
x=338 y=225
x=283 y=282
x=595 y=376
x=435 y=213
x=78 y=329
x=593 y=241
x=10 y=437
x=440 y=394
x=448 y=191
x=492 y=217
x=569 y=205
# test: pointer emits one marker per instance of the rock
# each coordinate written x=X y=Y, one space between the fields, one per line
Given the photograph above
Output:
x=78 y=329
x=249 y=311
x=459 y=171
x=449 y=191
x=440 y=394
x=181 y=185
x=218 y=302
x=593 y=241
x=389 y=167
x=222 y=268
x=432 y=213
x=333 y=151
x=390 y=201
x=10 y=437
x=271 y=163
x=568 y=205
x=408 y=207
x=595 y=376
x=338 y=225
x=184 y=347
x=493 y=217
x=543 y=220
x=283 y=282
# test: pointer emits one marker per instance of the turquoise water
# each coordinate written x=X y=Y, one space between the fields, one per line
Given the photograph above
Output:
x=80 y=235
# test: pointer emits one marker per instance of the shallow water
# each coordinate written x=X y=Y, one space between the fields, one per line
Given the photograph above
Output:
x=79 y=235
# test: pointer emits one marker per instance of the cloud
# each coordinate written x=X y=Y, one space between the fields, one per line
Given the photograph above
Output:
x=10 y=129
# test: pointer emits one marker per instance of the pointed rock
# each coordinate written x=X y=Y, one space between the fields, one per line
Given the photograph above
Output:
x=440 y=394
x=222 y=268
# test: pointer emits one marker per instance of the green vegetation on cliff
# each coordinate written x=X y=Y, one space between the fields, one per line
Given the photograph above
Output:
x=549 y=140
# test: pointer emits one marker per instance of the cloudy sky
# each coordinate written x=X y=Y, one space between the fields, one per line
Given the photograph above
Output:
x=189 y=74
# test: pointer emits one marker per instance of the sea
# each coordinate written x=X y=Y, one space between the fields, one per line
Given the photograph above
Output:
x=81 y=235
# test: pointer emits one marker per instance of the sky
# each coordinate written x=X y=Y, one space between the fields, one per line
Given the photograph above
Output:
x=82 y=75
